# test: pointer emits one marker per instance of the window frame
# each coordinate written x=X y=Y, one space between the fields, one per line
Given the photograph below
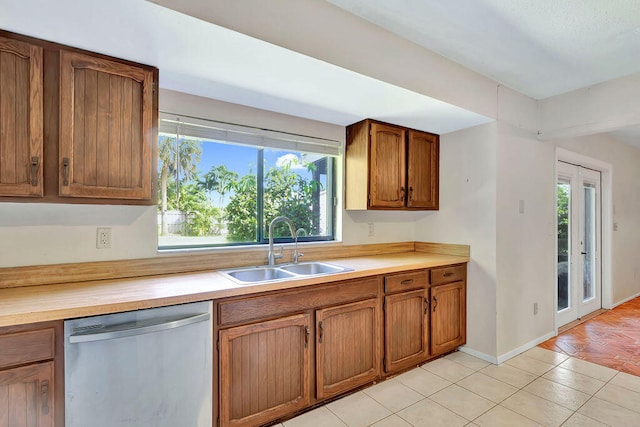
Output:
x=332 y=154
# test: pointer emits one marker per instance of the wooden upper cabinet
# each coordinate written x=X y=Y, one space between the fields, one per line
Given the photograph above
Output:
x=391 y=167
x=387 y=174
x=21 y=118
x=106 y=144
x=423 y=170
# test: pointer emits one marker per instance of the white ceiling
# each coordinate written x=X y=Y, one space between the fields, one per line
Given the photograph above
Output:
x=204 y=59
x=538 y=47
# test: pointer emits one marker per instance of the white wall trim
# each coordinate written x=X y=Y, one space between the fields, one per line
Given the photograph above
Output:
x=479 y=354
x=626 y=300
x=504 y=357
x=606 y=170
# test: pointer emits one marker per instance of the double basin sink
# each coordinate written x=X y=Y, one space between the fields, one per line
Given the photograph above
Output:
x=272 y=273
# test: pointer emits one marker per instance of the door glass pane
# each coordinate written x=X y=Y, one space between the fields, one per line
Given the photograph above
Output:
x=589 y=242
x=564 y=216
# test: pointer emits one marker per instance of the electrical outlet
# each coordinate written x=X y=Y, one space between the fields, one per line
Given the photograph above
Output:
x=372 y=229
x=103 y=238
x=535 y=308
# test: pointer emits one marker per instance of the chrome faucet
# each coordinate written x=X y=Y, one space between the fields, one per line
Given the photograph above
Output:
x=273 y=256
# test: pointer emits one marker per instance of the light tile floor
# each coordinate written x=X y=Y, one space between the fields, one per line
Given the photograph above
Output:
x=538 y=387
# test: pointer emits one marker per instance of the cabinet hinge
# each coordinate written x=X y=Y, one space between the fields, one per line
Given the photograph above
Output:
x=154 y=86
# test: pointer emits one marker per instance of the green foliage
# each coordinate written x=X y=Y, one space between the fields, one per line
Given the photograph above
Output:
x=203 y=219
x=563 y=219
x=287 y=193
x=240 y=213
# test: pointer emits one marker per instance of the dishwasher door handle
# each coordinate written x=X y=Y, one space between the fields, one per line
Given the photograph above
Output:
x=132 y=329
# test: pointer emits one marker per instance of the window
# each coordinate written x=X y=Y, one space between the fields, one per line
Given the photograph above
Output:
x=222 y=184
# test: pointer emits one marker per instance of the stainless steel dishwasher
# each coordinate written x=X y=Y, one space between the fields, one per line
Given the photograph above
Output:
x=140 y=368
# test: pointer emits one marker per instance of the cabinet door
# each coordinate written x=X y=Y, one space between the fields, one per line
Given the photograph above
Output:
x=448 y=317
x=387 y=170
x=348 y=347
x=264 y=370
x=423 y=174
x=26 y=396
x=106 y=128
x=21 y=118
x=406 y=317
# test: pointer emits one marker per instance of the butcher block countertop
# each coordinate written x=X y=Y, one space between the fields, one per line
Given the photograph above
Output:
x=30 y=304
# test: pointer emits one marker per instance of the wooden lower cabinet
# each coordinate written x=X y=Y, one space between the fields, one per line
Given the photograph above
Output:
x=264 y=370
x=31 y=393
x=26 y=396
x=406 y=331
x=347 y=347
x=448 y=317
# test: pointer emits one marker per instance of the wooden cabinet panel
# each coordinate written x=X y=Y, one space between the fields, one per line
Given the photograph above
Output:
x=25 y=347
x=448 y=274
x=21 y=118
x=264 y=370
x=388 y=167
x=26 y=396
x=405 y=281
x=242 y=310
x=448 y=317
x=406 y=329
x=347 y=347
x=422 y=173
x=106 y=121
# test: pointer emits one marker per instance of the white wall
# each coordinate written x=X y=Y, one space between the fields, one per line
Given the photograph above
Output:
x=525 y=238
x=36 y=233
x=467 y=215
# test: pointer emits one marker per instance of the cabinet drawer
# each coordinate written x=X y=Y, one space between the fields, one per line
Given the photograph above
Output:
x=252 y=309
x=448 y=274
x=26 y=347
x=405 y=281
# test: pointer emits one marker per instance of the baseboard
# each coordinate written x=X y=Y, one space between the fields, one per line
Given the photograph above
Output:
x=504 y=357
x=479 y=354
x=626 y=300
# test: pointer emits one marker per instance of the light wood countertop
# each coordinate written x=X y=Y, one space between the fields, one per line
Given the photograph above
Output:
x=63 y=301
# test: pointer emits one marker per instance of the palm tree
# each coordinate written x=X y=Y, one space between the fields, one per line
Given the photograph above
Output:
x=179 y=157
x=219 y=179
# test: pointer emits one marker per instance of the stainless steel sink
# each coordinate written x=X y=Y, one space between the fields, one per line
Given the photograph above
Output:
x=268 y=274
x=313 y=268
x=258 y=274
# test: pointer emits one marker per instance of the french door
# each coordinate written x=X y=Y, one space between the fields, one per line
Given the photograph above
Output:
x=579 y=289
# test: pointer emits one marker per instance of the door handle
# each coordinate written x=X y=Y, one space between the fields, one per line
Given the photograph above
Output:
x=101 y=333
x=583 y=253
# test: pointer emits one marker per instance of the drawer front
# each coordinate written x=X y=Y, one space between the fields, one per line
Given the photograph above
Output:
x=252 y=309
x=26 y=347
x=406 y=281
x=448 y=274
